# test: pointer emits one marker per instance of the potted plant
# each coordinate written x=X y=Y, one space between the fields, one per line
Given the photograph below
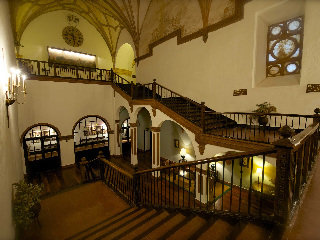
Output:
x=26 y=204
x=262 y=109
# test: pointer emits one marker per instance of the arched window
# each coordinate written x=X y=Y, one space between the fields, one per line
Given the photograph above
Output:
x=41 y=149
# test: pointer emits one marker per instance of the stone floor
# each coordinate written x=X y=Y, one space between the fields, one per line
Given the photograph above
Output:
x=68 y=213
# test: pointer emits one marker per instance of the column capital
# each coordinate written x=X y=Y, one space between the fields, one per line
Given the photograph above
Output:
x=155 y=129
x=133 y=124
x=117 y=121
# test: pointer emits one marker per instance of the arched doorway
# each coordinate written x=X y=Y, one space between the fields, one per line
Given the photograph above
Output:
x=125 y=137
x=172 y=139
x=144 y=137
x=41 y=149
x=125 y=64
x=91 y=136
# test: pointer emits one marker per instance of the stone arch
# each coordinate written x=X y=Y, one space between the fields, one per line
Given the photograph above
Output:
x=39 y=124
x=124 y=62
x=174 y=131
x=98 y=116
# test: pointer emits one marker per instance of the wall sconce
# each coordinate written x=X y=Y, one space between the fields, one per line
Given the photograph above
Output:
x=16 y=80
x=183 y=153
x=259 y=172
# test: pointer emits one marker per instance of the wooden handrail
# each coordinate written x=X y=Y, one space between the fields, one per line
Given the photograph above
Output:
x=269 y=150
x=121 y=78
x=116 y=167
x=188 y=99
x=60 y=64
x=269 y=114
x=297 y=140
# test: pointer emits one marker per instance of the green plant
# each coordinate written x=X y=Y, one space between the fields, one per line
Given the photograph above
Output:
x=265 y=108
x=262 y=109
x=26 y=203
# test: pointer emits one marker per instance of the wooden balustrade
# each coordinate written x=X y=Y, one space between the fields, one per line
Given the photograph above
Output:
x=118 y=179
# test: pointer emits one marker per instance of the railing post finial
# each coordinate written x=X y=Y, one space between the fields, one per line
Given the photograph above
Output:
x=203 y=109
x=154 y=84
x=317 y=115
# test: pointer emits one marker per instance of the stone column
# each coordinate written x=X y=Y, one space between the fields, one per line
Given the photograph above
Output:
x=133 y=137
x=155 y=147
x=117 y=142
x=111 y=142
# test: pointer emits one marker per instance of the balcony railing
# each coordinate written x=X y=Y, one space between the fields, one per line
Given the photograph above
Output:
x=47 y=69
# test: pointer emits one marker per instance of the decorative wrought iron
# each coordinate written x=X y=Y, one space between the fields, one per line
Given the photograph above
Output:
x=41 y=149
x=284 y=50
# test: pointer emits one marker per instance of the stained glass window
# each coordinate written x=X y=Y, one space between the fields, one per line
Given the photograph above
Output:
x=284 y=50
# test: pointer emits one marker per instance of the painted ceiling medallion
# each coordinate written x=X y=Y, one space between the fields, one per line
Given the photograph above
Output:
x=72 y=36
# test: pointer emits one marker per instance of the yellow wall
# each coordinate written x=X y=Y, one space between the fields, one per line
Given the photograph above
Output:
x=46 y=30
x=125 y=65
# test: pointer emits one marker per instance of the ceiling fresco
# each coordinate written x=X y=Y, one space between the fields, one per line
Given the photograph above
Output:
x=149 y=22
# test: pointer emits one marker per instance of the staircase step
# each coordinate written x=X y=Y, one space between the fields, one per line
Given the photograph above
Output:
x=111 y=227
x=189 y=228
x=146 y=227
x=98 y=226
x=217 y=231
x=253 y=232
x=127 y=226
x=166 y=227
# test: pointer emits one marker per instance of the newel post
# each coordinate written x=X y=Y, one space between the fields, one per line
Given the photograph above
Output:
x=203 y=109
x=283 y=196
x=101 y=164
x=111 y=75
x=135 y=186
x=154 y=84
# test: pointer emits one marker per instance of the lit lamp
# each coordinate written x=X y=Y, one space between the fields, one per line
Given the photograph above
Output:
x=15 y=81
x=259 y=172
x=183 y=153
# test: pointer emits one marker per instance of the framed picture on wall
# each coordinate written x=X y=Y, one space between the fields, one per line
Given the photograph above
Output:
x=244 y=162
x=176 y=143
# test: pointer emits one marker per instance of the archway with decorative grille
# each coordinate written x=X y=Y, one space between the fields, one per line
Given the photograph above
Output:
x=41 y=148
x=91 y=136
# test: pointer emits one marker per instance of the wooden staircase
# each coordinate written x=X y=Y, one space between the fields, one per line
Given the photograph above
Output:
x=147 y=223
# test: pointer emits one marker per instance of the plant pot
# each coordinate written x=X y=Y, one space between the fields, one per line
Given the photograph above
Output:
x=36 y=208
x=263 y=120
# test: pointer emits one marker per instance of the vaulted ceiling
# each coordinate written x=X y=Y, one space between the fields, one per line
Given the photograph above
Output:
x=149 y=22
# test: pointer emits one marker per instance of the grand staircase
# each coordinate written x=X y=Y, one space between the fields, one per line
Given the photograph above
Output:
x=143 y=223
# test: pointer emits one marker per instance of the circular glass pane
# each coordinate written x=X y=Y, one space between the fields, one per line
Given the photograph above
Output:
x=276 y=30
x=294 y=25
x=284 y=48
x=291 y=67
x=274 y=70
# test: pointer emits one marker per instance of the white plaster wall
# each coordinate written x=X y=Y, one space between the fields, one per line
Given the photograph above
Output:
x=10 y=158
x=62 y=105
x=168 y=133
x=211 y=71
x=46 y=30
